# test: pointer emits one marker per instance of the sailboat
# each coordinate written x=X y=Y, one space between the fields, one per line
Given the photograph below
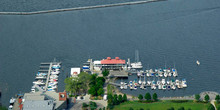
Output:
x=137 y=64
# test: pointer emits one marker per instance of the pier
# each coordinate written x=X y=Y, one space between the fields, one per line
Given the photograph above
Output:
x=48 y=76
x=79 y=8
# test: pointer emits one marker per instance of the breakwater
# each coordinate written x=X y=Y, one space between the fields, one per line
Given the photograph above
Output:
x=79 y=8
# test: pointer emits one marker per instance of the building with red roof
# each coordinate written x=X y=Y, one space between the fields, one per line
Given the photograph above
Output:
x=113 y=64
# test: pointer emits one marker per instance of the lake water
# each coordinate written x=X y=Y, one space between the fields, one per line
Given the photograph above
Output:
x=176 y=31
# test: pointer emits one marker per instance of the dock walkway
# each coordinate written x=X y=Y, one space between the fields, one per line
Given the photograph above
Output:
x=48 y=77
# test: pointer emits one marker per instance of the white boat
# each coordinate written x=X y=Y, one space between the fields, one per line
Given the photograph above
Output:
x=53 y=80
x=160 y=74
x=153 y=85
x=52 y=86
x=169 y=74
x=148 y=83
x=184 y=84
x=197 y=62
x=139 y=82
x=168 y=82
x=54 y=72
x=138 y=73
x=39 y=82
x=125 y=85
x=164 y=87
x=144 y=82
x=158 y=83
x=40 y=77
x=122 y=85
x=160 y=86
x=177 y=82
x=165 y=74
x=173 y=87
x=136 y=65
x=57 y=66
x=163 y=81
x=53 y=83
x=174 y=72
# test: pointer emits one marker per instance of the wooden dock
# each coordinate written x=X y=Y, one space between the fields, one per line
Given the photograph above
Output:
x=48 y=76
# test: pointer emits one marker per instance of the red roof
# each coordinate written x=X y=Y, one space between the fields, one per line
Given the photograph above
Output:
x=117 y=60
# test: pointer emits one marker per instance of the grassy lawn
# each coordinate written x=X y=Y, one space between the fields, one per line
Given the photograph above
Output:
x=161 y=105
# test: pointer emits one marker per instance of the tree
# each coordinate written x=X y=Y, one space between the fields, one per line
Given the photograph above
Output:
x=85 y=105
x=197 y=97
x=110 y=106
x=217 y=98
x=92 y=91
x=140 y=97
x=105 y=73
x=120 y=98
x=100 y=91
x=211 y=107
x=110 y=98
x=92 y=105
x=218 y=108
x=115 y=100
x=147 y=96
x=141 y=109
x=155 y=97
x=181 y=108
x=124 y=98
x=72 y=85
x=206 y=98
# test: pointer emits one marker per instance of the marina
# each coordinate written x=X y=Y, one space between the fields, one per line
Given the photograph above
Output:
x=47 y=77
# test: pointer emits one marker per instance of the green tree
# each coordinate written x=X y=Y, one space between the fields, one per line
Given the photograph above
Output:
x=120 y=98
x=147 y=96
x=72 y=85
x=217 y=98
x=103 y=108
x=92 y=91
x=125 y=98
x=197 y=97
x=115 y=99
x=141 y=109
x=155 y=97
x=211 y=107
x=110 y=106
x=206 y=98
x=85 y=105
x=140 y=97
x=105 y=73
x=110 y=98
x=92 y=105
x=100 y=91
x=189 y=109
x=100 y=108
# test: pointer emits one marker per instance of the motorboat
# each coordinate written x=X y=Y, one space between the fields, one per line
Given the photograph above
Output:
x=163 y=81
x=136 y=65
x=168 y=82
x=160 y=86
x=177 y=82
x=139 y=82
x=197 y=62
x=51 y=90
x=160 y=74
x=39 y=82
x=173 y=87
x=169 y=74
x=125 y=85
x=165 y=74
x=174 y=72
x=52 y=87
x=168 y=87
x=147 y=73
x=139 y=73
x=54 y=72
x=153 y=85
x=184 y=84
x=148 y=83
x=156 y=74
x=40 y=77
x=151 y=71
x=163 y=87
x=53 y=83
x=158 y=82
x=122 y=85
x=56 y=66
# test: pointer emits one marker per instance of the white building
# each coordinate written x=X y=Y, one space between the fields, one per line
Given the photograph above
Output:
x=74 y=71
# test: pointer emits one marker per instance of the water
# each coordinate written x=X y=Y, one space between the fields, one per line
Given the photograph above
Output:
x=175 y=31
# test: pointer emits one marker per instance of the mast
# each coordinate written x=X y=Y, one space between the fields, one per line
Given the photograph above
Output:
x=136 y=56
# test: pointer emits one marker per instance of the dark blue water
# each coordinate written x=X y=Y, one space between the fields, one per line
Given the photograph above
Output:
x=175 y=31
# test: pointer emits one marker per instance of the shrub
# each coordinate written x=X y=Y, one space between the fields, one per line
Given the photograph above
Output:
x=181 y=108
x=85 y=105
x=179 y=101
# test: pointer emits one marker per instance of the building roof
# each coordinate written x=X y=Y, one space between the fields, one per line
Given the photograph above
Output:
x=117 y=60
x=38 y=105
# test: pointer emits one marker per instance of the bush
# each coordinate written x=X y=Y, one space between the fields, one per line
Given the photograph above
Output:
x=131 y=108
x=92 y=105
x=155 y=97
x=181 y=108
x=85 y=105
x=197 y=97
x=147 y=96
x=110 y=106
x=218 y=108
x=140 y=97
x=170 y=108
x=125 y=98
x=206 y=98
x=141 y=109
x=211 y=107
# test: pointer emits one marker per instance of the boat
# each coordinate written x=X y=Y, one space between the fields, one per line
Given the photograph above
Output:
x=56 y=66
x=156 y=74
x=144 y=82
x=53 y=80
x=163 y=86
x=147 y=73
x=174 y=72
x=168 y=87
x=137 y=64
x=139 y=73
x=163 y=81
x=39 y=82
x=173 y=87
x=54 y=77
x=148 y=83
x=158 y=83
x=51 y=90
x=55 y=72
x=52 y=87
x=122 y=85
x=184 y=84
x=53 y=83
x=125 y=85
x=197 y=62
x=139 y=82
x=40 y=77
x=169 y=74
x=168 y=82
x=153 y=85
x=160 y=86
x=165 y=74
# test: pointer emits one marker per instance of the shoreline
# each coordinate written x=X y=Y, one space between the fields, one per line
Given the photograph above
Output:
x=79 y=8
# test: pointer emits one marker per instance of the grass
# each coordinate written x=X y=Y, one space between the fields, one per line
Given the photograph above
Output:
x=161 y=105
x=110 y=89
